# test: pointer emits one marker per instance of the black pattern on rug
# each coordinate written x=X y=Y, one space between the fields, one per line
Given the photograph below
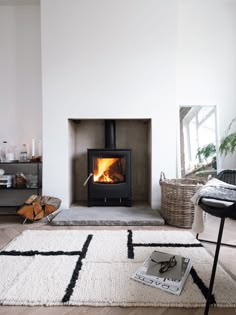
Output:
x=130 y=245
x=196 y=279
x=82 y=254
x=78 y=266
x=36 y=252
x=201 y=285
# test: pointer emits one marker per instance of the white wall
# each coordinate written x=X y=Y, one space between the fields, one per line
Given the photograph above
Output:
x=127 y=59
x=107 y=59
x=20 y=73
x=113 y=59
x=206 y=63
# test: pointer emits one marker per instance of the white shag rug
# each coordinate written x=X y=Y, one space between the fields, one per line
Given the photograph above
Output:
x=93 y=268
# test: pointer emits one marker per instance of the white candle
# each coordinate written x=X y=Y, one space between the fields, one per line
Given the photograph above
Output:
x=40 y=148
x=33 y=147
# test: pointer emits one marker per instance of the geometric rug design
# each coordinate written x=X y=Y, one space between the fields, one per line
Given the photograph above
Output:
x=93 y=268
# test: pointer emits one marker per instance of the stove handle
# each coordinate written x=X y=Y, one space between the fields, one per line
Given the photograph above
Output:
x=88 y=178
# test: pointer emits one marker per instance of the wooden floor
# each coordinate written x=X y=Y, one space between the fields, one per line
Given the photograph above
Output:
x=11 y=226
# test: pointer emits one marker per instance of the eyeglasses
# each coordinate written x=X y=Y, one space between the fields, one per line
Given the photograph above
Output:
x=166 y=265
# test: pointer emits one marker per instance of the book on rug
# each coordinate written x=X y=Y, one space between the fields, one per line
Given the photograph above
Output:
x=155 y=261
x=170 y=279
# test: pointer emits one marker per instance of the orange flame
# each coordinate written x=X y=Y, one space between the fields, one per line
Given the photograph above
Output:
x=101 y=173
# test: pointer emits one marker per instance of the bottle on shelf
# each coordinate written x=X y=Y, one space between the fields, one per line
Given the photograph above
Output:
x=10 y=155
x=3 y=155
x=23 y=153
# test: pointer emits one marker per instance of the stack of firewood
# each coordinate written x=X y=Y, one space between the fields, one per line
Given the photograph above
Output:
x=37 y=207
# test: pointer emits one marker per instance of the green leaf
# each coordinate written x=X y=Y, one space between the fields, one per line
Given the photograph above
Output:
x=206 y=151
x=228 y=144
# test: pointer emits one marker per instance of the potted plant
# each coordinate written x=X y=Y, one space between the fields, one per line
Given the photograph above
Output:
x=228 y=143
x=206 y=152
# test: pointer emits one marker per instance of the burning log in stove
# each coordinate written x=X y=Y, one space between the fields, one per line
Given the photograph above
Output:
x=109 y=170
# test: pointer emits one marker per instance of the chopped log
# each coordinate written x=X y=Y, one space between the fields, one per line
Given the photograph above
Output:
x=41 y=200
x=116 y=167
x=39 y=216
x=27 y=211
x=49 y=209
x=50 y=204
x=113 y=174
x=117 y=177
x=40 y=206
x=48 y=200
x=37 y=208
x=52 y=201
x=30 y=200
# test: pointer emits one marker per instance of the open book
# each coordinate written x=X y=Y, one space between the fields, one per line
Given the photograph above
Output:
x=172 y=280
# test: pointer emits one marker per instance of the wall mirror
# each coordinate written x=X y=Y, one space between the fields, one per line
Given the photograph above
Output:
x=198 y=141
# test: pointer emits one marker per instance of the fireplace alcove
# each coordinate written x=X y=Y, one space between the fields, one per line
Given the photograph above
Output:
x=132 y=134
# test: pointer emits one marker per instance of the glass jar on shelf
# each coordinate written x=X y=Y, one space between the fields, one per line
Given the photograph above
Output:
x=32 y=181
x=11 y=154
x=24 y=153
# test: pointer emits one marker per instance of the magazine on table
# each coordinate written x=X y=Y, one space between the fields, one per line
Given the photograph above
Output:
x=171 y=280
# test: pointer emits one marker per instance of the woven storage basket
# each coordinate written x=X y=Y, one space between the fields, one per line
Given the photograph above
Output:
x=176 y=206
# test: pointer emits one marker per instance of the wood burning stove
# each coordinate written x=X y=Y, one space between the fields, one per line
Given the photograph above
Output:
x=109 y=172
x=110 y=184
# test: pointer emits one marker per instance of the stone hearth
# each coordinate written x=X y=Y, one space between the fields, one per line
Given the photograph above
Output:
x=83 y=215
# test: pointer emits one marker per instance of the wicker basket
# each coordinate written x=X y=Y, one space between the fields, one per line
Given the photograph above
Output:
x=176 y=206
